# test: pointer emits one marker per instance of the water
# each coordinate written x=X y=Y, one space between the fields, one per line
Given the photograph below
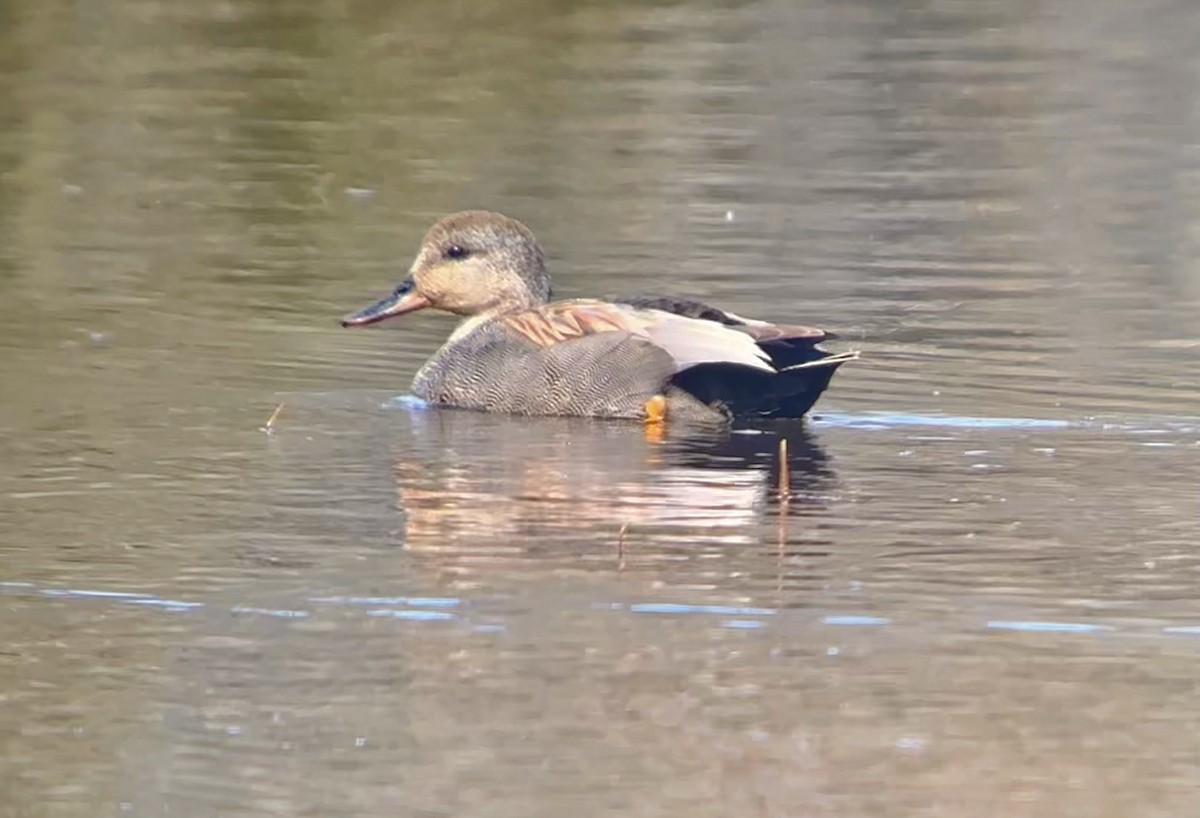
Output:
x=978 y=599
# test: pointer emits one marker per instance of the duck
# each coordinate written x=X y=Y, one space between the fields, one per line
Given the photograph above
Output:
x=645 y=358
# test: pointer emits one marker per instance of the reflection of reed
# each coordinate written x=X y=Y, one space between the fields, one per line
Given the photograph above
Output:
x=498 y=487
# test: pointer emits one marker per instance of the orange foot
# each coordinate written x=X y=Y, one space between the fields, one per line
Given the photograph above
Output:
x=656 y=416
x=656 y=409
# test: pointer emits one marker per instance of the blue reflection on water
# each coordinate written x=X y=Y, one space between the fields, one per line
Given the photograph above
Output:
x=887 y=420
x=892 y=420
x=434 y=609
x=417 y=615
x=1048 y=627
x=679 y=608
x=406 y=402
x=417 y=601
x=856 y=620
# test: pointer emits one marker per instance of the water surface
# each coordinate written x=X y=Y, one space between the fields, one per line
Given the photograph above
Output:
x=979 y=597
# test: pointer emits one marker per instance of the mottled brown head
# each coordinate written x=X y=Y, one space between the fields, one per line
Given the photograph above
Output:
x=469 y=263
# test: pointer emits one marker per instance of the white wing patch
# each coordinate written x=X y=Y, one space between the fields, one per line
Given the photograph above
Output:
x=689 y=341
x=693 y=341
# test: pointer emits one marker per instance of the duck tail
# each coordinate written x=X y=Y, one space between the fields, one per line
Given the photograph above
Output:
x=795 y=389
x=745 y=392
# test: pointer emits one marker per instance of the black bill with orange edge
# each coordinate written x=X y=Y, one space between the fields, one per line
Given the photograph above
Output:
x=403 y=299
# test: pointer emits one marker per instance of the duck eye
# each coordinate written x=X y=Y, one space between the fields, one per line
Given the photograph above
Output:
x=456 y=251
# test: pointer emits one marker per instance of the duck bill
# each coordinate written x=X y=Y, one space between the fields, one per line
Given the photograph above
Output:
x=404 y=299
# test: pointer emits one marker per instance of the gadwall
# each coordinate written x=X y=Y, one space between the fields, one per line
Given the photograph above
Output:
x=644 y=358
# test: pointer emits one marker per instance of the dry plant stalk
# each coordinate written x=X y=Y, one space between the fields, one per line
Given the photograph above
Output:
x=785 y=496
x=785 y=476
x=621 y=547
x=270 y=425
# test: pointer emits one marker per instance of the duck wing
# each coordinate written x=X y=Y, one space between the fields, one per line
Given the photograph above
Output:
x=690 y=308
x=686 y=307
x=689 y=341
x=785 y=344
x=745 y=369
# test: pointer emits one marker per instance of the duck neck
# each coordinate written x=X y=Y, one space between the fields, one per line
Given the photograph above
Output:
x=506 y=306
x=534 y=293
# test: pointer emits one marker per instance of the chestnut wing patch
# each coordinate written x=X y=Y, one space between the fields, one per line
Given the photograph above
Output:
x=567 y=320
x=689 y=341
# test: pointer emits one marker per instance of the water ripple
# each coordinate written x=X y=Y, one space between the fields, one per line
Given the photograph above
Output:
x=433 y=609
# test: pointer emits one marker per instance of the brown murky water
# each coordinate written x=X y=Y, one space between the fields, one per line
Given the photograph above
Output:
x=981 y=599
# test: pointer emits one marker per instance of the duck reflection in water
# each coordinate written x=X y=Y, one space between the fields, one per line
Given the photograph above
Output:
x=494 y=486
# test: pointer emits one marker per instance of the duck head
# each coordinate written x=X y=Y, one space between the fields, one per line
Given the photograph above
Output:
x=469 y=263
